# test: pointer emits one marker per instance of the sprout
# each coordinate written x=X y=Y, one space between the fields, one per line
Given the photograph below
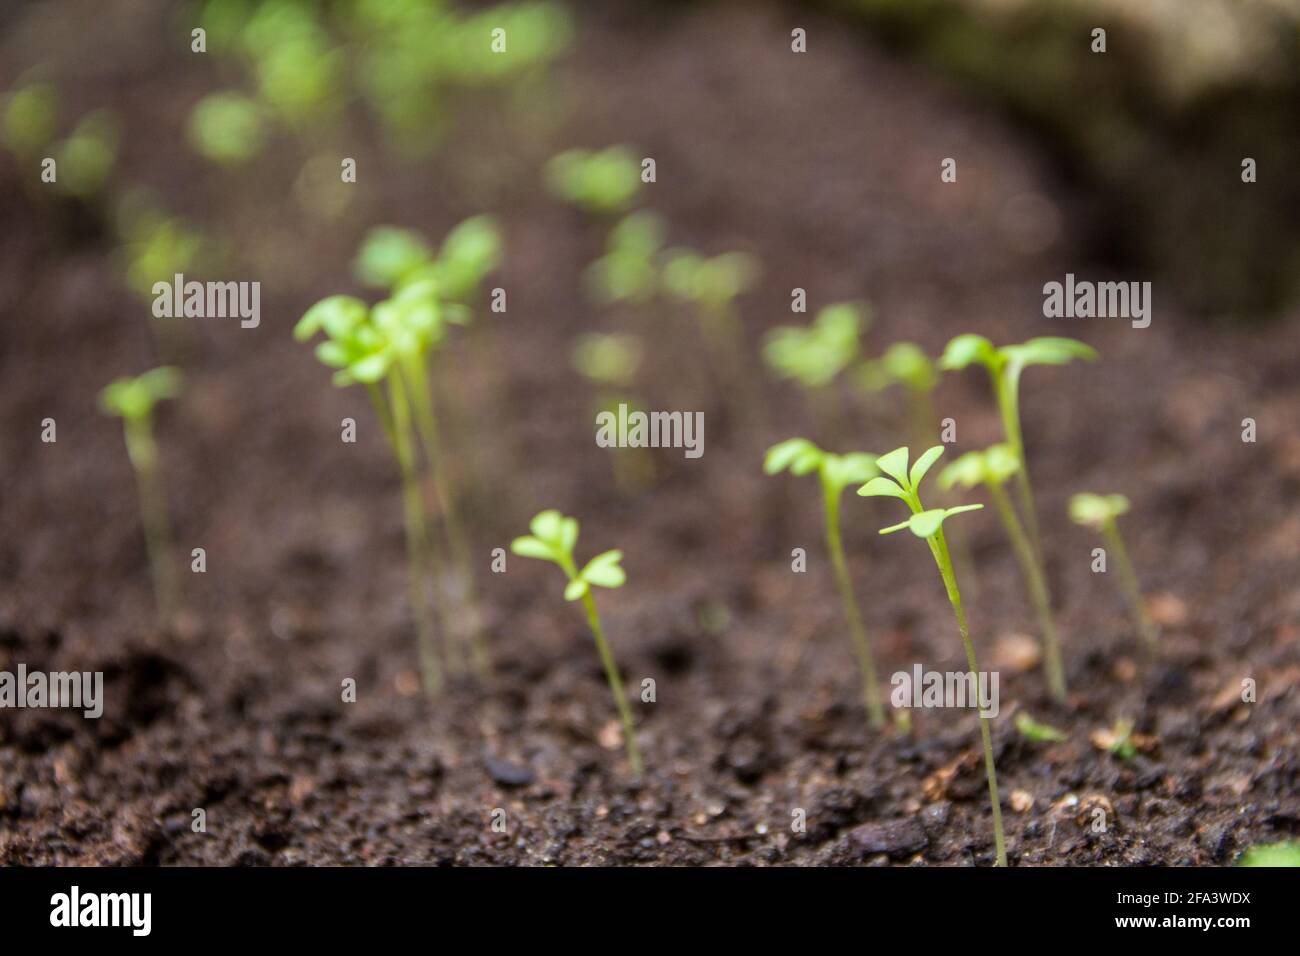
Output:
x=1005 y=366
x=553 y=538
x=815 y=355
x=227 y=128
x=377 y=350
x=898 y=482
x=610 y=362
x=904 y=363
x=389 y=256
x=1099 y=513
x=626 y=272
x=1031 y=729
x=836 y=472
x=133 y=400
x=992 y=468
x=604 y=182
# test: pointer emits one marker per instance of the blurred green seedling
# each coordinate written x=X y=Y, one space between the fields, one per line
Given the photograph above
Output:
x=1100 y=512
x=30 y=115
x=1005 y=366
x=610 y=363
x=897 y=481
x=1041 y=733
x=906 y=364
x=133 y=401
x=553 y=538
x=227 y=128
x=991 y=469
x=835 y=472
x=604 y=182
x=373 y=353
x=627 y=272
x=814 y=356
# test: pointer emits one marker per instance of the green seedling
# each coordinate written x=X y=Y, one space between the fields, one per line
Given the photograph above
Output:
x=904 y=363
x=813 y=356
x=896 y=481
x=1005 y=366
x=836 y=472
x=610 y=363
x=377 y=350
x=1031 y=729
x=627 y=271
x=1118 y=740
x=604 y=182
x=992 y=468
x=133 y=400
x=553 y=538
x=1272 y=854
x=227 y=128
x=1100 y=512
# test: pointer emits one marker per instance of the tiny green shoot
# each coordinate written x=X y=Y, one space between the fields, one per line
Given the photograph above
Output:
x=553 y=538
x=836 y=472
x=897 y=481
x=1005 y=366
x=603 y=182
x=992 y=468
x=1118 y=740
x=133 y=400
x=627 y=271
x=1041 y=733
x=1100 y=512
x=813 y=356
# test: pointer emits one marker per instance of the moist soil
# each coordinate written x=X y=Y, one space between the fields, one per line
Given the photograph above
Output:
x=823 y=165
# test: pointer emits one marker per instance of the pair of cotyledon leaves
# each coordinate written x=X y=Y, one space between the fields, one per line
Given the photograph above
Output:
x=883 y=476
x=553 y=538
x=1010 y=360
x=392 y=258
x=134 y=398
x=1096 y=511
x=814 y=355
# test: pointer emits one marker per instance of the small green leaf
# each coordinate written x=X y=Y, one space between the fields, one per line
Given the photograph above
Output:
x=927 y=523
x=781 y=455
x=923 y=464
x=1049 y=350
x=851 y=469
x=897 y=527
x=546 y=525
x=1041 y=733
x=604 y=571
x=1272 y=854
x=894 y=464
x=336 y=315
x=881 y=487
x=1094 y=510
x=965 y=349
x=568 y=534
x=529 y=547
x=576 y=589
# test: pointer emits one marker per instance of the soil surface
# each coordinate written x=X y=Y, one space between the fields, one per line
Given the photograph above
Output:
x=825 y=166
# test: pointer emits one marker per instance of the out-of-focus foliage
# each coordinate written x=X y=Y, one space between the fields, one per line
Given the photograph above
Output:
x=227 y=128
x=29 y=117
x=604 y=181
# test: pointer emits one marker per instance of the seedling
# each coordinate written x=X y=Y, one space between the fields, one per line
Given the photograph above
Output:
x=133 y=400
x=604 y=183
x=610 y=363
x=992 y=468
x=1031 y=729
x=553 y=538
x=375 y=352
x=627 y=271
x=1100 y=512
x=836 y=472
x=898 y=482
x=904 y=363
x=813 y=356
x=1005 y=366
x=1118 y=740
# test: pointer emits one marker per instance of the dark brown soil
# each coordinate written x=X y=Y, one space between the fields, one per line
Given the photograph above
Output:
x=826 y=167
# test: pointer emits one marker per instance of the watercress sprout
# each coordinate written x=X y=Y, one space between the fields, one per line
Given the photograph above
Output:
x=897 y=481
x=836 y=472
x=133 y=400
x=627 y=271
x=1005 y=366
x=904 y=363
x=1100 y=512
x=553 y=538
x=603 y=182
x=992 y=468
x=814 y=355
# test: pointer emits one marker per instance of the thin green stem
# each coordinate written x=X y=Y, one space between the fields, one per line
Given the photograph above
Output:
x=143 y=453
x=866 y=661
x=939 y=547
x=1129 y=583
x=416 y=536
x=615 y=681
x=1038 y=592
x=1009 y=407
